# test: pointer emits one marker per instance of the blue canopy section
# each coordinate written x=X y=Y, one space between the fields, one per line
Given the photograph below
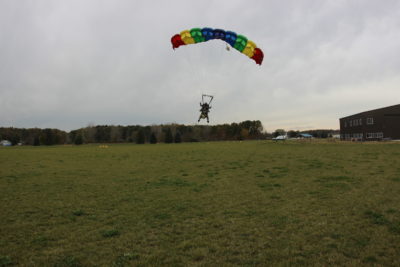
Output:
x=230 y=37
x=227 y=36
x=219 y=34
x=208 y=33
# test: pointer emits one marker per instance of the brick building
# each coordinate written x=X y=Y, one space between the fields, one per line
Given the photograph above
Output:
x=377 y=124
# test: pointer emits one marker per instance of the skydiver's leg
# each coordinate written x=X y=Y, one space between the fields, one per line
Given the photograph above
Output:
x=201 y=117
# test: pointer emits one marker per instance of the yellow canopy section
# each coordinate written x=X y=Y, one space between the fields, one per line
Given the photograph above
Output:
x=249 y=49
x=187 y=37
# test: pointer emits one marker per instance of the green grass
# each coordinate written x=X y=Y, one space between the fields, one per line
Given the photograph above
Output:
x=219 y=204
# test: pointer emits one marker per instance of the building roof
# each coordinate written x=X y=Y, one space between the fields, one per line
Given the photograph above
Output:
x=378 y=109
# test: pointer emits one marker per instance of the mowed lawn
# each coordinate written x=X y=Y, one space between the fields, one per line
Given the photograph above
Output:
x=254 y=203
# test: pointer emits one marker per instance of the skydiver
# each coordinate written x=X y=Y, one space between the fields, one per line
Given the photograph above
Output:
x=205 y=109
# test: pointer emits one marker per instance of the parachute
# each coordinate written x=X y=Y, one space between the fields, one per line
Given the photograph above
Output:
x=237 y=41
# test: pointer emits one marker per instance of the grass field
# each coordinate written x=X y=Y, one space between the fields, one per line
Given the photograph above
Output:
x=201 y=204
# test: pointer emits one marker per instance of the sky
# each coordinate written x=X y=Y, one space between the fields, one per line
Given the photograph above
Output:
x=70 y=64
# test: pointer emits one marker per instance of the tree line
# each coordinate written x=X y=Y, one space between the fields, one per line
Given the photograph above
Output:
x=33 y=136
x=168 y=133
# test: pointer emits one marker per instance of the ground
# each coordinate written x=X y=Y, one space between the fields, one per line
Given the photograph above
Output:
x=219 y=203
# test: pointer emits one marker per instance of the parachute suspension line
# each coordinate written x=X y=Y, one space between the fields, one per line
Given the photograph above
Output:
x=195 y=72
x=189 y=66
x=193 y=78
x=222 y=55
x=219 y=71
x=199 y=71
x=241 y=88
x=202 y=73
x=228 y=70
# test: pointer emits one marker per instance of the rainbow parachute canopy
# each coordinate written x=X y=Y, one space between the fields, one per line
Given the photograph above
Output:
x=237 y=41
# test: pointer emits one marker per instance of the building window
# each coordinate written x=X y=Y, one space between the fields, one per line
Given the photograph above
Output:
x=357 y=136
x=345 y=123
x=370 y=121
x=351 y=123
x=375 y=135
x=360 y=122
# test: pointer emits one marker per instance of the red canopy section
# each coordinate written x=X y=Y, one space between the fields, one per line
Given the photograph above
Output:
x=176 y=41
x=258 y=56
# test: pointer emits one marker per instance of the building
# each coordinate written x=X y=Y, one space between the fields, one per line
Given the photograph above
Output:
x=305 y=135
x=5 y=143
x=377 y=124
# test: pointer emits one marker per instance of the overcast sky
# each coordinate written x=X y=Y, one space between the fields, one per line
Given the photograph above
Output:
x=68 y=64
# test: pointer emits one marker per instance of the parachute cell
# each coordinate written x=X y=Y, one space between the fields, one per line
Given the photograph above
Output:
x=219 y=34
x=240 y=43
x=249 y=49
x=237 y=41
x=258 y=56
x=187 y=37
x=197 y=35
x=176 y=41
x=208 y=33
x=230 y=38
